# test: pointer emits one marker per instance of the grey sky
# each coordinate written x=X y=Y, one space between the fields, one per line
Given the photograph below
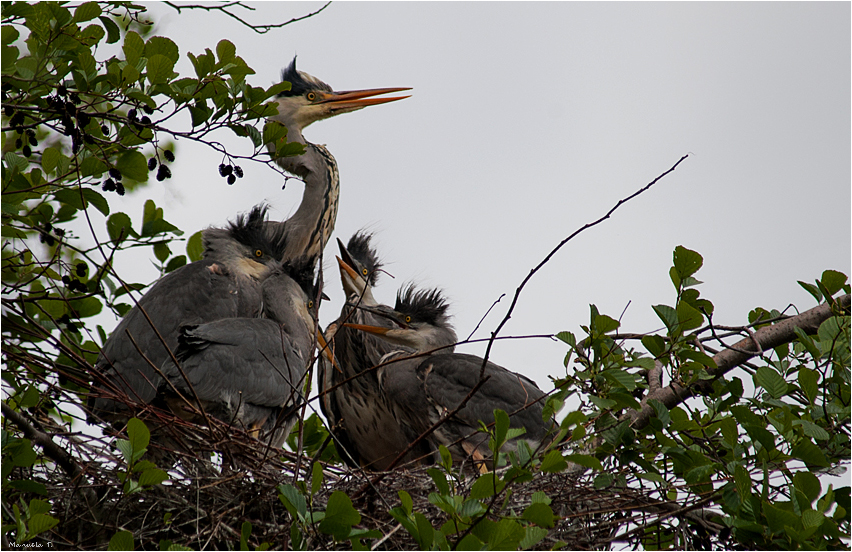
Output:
x=527 y=121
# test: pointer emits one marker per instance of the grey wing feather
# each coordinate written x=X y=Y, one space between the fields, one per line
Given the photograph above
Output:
x=193 y=294
x=252 y=358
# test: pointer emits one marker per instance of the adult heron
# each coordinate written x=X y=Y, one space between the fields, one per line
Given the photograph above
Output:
x=428 y=387
x=310 y=100
x=226 y=283
x=250 y=372
x=359 y=416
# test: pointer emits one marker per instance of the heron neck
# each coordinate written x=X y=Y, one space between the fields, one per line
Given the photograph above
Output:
x=310 y=227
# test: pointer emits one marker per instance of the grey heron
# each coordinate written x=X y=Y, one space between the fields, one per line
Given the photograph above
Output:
x=310 y=100
x=359 y=416
x=226 y=283
x=427 y=387
x=250 y=372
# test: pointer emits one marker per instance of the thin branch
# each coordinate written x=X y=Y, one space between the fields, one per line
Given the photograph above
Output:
x=555 y=250
x=259 y=29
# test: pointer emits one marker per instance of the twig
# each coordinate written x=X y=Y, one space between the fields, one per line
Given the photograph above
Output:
x=259 y=29
x=555 y=250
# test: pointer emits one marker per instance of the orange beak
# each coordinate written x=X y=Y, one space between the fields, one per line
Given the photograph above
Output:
x=356 y=99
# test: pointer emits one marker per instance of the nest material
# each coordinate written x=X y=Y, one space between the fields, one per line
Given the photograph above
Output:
x=206 y=501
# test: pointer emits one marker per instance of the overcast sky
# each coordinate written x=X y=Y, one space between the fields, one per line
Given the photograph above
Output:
x=529 y=120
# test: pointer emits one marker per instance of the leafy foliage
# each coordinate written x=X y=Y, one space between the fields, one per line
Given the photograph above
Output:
x=735 y=460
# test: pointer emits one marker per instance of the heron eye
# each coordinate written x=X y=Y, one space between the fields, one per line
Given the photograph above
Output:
x=310 y=304
x=258 y=253
x=364 y=271
x=311 y=96
x=407 y=319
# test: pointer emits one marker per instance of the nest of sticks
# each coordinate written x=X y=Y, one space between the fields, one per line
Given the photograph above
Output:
x=231 y=478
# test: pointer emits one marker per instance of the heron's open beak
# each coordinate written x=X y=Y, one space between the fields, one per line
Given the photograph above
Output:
x=357 y=99
x=346 y=268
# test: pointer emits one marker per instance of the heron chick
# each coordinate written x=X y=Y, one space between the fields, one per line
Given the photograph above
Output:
x=250 y=372
x=359 y=416
x=428 y=387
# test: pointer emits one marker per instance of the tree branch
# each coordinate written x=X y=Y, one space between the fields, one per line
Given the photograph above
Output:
x=765 y=338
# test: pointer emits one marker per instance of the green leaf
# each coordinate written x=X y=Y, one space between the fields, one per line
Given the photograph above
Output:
x=152 y=477
x=122 y=540
x=160 y=69
x=138 y=433
x=487 y=485
x=585 y=460
x=226 y=51
x=133 y=165
x=668 y=315
x=621 y=378
x=316 y=478
x=292 y=498
x=113 y=32
x=245 y=533
x=812 y=289
x=812 y=519
x=39 y=523
x=405 y=500
x=553 y=462
x=833 y=281
x=686 y=262
x=808 y=380
x=440 y=480
x=160 y=45
x=195 y=247
x=540 y=514
x=770 y=380
x=533 y=536
x=689 y=317
x=808 y=484
x=87 y=12
x=809 y=453
x=340 y=516
x=812 y=430
x=133 y=47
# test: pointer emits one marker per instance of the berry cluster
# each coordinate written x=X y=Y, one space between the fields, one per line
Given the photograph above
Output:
x=74 y=284
x=65 y=103
x=27 y=136
x=231 y=172
x=113 y=184
x=164 y=171
x=65 y=319
x=44 y=234
x=132 y=115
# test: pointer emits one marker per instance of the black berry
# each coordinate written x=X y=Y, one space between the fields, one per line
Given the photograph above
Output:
x=170 y=157
x=80 y=269
x=119 y=188
x=152 y=164
x=238 y=171
x=231 y=179
x=115 y=173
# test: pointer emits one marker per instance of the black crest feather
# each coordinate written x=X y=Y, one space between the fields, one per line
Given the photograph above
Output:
x=253 y=231
x=303 y=271
x=300 y=82
x=360 y=250
x=423 y=305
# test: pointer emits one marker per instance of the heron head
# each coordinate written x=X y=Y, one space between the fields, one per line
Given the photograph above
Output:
x=421 y=321
x=310 y=100
x=359 y=267
x=249 y=244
